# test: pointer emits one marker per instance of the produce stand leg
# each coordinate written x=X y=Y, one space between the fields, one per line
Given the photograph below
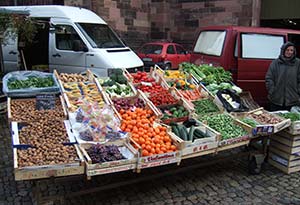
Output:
x=258 y=156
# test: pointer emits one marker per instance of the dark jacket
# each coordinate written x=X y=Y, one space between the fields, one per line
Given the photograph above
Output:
x=283 y=80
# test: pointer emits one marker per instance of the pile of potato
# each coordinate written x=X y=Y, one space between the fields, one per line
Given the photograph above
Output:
x=44 y=133
x=47 y=155
x=24 y=110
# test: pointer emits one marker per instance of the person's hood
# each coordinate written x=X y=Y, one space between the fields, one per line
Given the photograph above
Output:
x=283 y=58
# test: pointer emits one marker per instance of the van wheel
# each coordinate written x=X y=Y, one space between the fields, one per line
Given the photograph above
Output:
x=168 y=66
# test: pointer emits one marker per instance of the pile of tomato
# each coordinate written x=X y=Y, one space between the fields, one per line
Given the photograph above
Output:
x=162 y=98
x=142 y=77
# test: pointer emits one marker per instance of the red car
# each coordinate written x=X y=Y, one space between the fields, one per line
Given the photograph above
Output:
x=165 y=55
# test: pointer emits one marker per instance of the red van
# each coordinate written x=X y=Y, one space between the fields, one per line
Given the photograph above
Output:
x=245 y=51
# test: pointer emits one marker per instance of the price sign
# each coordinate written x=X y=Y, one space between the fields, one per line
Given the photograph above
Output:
x=45 y=102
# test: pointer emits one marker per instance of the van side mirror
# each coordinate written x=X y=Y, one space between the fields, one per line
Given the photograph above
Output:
x=78 y=45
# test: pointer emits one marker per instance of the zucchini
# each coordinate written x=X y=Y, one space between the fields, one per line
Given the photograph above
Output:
x=183 y=133
x=191 y=133
x=175 y=130
x=199 y=134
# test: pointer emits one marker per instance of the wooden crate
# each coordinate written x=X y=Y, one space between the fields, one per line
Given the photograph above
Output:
x=159 y=159
x=291 y=159
x=269 y=128
x=10 y=114
x=73 y=106
x=283 y=147
x=198 y=146
x=16 y=127
x=285 y=162
x=47 y=171
x=294 y=128
x=148 y=105
x=286 y=142
x=129 y=163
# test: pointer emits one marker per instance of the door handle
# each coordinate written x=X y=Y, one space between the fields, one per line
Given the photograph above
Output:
x=56 y=55
x=89 y=54
x=12 y=52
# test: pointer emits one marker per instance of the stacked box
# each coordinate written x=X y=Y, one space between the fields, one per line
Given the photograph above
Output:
x=284 y=152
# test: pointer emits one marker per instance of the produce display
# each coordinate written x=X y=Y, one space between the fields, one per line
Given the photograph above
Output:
x=207 y=74
x=150 y=88
x=190 y=133
x=72 y=77
x=116 y=85
x=214 y=78
x=94 y=123
x=170 y=113
x=24 y=110
x=172 y=74
x=162 y=98
x=30 y=82
x=205 y=106
x=250 y=122
x=290 y=115
x=44 y=133
x=142 y=77
x=264 y=117
x=119 y=90
x=225 y=125
x=127 y=104
x=214 y=88
x=128 y=120
x=181 y=85
x=116 y=77
x=77 y=92
x=47 y=155
x=104 y=153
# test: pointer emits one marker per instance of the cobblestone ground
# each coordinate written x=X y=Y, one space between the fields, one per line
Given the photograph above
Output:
x=226 y=182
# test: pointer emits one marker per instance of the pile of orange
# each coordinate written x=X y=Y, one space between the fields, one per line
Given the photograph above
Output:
x=140 y=124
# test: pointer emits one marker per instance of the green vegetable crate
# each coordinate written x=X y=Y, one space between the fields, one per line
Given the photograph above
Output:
x=175 y=113
x=294 y=128
x=206 y=140
x=232 y=130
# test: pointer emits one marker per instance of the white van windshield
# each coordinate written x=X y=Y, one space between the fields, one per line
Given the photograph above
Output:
x=210 y=43
x=100 y=35
x=261 y=46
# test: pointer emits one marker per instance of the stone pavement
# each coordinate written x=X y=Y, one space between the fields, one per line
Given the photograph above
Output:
x=226 y=182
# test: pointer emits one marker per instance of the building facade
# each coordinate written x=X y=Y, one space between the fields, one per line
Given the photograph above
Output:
x=140 y=21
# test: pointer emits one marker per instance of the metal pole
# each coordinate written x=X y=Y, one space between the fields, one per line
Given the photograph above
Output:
x=15 y=2
x=256 y=7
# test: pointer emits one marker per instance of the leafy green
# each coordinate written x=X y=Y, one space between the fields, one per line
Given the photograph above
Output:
x=30 y=82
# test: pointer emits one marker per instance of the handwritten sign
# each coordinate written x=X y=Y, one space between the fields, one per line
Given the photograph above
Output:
x=45 y=102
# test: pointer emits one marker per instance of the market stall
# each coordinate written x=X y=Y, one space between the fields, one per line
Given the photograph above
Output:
x=74 y=124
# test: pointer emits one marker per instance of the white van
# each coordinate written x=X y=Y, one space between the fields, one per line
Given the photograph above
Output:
x=70 y=39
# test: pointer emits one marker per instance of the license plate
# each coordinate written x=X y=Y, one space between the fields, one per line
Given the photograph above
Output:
x=147 y=59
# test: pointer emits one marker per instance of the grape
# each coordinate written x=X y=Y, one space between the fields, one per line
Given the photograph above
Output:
x=86 y=135
x=104 y=153
x=79 y=117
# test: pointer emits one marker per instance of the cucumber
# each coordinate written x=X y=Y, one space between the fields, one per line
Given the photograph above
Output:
x=191 y=133
x=183 y=133
x=199 y=134
x=175 y=130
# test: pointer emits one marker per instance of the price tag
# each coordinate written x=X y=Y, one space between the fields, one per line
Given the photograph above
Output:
x=45 y=102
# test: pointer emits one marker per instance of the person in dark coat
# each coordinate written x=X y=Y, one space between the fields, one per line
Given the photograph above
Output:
x=283 y=79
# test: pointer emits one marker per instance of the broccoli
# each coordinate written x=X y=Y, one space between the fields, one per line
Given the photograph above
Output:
x=121 y=79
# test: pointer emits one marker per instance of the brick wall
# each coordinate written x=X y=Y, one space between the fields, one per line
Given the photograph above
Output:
x=140 y=21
